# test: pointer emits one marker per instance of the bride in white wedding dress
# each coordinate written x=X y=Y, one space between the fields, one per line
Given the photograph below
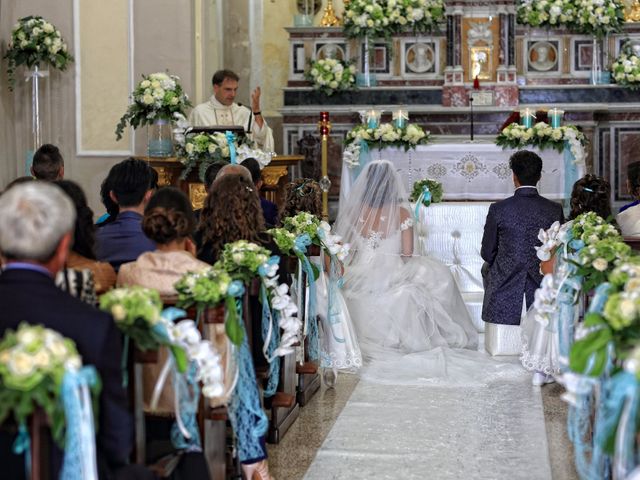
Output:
x=411 y=321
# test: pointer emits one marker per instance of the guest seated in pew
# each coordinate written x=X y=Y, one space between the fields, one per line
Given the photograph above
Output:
x=48 y=163
x=209 y=177
x=36 y=231
x=629 y=217
x=232 y=212
x=269 y=209
x=130 y=185
x=82 y=254
x=539 y=343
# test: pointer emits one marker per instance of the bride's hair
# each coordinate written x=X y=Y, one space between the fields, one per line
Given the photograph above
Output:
x=591 y=194
x=381 y=191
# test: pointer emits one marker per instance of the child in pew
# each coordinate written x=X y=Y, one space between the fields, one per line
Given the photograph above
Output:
x=339 y=348
x=539 y=336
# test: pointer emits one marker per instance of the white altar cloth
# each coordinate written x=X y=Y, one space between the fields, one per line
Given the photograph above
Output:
x=451 y=232
x=471 y=171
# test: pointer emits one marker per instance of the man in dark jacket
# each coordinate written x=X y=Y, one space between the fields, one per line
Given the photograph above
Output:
x=36 y=230
x=510 y=235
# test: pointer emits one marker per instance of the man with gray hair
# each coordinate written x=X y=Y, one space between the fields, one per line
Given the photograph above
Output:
x=37 y=222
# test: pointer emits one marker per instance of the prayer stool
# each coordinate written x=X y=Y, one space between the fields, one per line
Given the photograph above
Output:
x=502 y=339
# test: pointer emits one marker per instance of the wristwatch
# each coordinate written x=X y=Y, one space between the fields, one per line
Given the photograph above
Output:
x=255 y=114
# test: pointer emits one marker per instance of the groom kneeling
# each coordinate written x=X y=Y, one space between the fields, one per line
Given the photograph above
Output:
x=511 y=272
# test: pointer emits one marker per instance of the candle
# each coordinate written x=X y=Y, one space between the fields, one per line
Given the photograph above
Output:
x=373 y=118
x=526 y=117
x=555 y=117
x=400 y=118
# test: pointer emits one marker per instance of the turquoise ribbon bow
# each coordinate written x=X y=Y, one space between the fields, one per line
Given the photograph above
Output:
x=231 y=139
x=423 y=199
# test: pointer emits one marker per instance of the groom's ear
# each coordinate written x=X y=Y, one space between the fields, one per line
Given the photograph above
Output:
x=516 y=182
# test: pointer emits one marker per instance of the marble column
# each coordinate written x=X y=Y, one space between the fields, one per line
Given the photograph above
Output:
x=457 y=45
x=504 y=39
x=450 y=39
x=511 y=51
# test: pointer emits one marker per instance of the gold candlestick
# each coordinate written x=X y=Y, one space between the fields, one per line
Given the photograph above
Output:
x=325 y=183
x=329 y=18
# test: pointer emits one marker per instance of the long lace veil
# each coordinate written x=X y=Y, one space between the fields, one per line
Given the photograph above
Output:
x=375 y=211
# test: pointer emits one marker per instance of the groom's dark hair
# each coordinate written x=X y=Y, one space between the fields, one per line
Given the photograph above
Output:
x=527 y=166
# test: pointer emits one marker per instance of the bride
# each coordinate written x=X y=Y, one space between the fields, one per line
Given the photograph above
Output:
x=411 y=321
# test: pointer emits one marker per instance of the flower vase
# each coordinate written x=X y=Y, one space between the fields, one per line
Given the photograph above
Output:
x=37 y=112
x=596 y=61
x=159 y=138
x=366 y=78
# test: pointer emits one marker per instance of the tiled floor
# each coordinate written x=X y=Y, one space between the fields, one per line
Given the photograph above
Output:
x=291 y=459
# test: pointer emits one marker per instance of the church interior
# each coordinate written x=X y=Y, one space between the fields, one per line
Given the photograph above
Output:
x=445 y=94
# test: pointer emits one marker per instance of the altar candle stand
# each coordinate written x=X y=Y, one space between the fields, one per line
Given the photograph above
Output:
x=526 y=117
x=400 y=118
x=373 y=118
x=555 y=117
x=325 y=183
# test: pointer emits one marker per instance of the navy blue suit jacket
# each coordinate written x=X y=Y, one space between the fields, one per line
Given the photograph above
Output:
x=31 y=297
x=510 y=235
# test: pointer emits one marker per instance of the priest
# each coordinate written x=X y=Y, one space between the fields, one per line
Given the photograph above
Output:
x=221 y=110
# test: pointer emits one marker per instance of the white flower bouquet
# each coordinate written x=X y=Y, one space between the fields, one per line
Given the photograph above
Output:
x=625 y=69
x=33 y=362
x=388 y=135
x=543 y=135
x=330 y=75
x=36 y=42
x=383 y=18
x=590 y=17
x=158 y=96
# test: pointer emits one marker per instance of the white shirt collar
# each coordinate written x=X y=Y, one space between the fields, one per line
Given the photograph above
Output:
x=527 y=186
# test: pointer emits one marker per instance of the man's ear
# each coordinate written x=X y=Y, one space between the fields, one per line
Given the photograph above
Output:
x=59 y=258
x=113 y=197
x=147 y=196
x=32 y=172
x=61 y=173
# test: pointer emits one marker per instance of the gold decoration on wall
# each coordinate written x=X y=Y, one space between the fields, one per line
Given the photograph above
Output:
x=632 y=10
x=197 y=195
x=329 y=18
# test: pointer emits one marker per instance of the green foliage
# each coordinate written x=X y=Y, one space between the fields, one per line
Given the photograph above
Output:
x=435 y=188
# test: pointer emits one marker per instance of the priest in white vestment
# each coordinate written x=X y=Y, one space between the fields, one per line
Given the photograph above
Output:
x=221 y=110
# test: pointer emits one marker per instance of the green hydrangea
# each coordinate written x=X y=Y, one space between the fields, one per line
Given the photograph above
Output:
x=206 y=288
x=242 y=259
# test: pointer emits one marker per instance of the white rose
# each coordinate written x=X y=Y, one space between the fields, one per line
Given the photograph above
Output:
x=189 y=148
x=47 y=27
x=118 y=312
x=36 y=31
x=600 y=264
x=147 y=99
x=27 y=337
x=42 y=358
x=21 y=364
x=73 y=363
x=333 y=84
x=633 y=285
x=628 y=309
x=145 y=84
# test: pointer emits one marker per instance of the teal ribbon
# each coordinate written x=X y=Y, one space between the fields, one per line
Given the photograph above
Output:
x=301 y=243
x=236 y=289
x=79 y=453
x=423 y=199
x=600 y=298
x=363 y=159
x=22 y=444
x=231 y=138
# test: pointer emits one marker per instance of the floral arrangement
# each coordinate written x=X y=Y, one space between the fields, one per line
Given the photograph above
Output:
x=158 y=96
x=590 y=17
x=597 y=260
x=34 y=42
x=590 y=228
x=33 y=362
x=135 y=310
x=388 y=135
x=304 y=229
x=625 y=69
x=543 y=135
x=427 y=191
x=330 y=75
x=242 y=259
x=382 y=18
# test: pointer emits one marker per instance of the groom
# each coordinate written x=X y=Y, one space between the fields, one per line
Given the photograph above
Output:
x=511 y=231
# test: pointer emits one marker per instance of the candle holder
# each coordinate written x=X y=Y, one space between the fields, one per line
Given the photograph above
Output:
x=373 y=118
x=555 y=117
x=527 y=116
x=324 y=125
x=400 y=118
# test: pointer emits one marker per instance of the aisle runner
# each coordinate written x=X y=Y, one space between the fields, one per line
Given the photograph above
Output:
x=395 y=432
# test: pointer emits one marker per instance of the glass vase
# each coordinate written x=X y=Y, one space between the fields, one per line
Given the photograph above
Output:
x=366 y=78
x=36 y=112
x=596 y=61
x=160 y=138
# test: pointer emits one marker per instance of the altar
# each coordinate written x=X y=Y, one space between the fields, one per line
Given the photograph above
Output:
x=469 y=171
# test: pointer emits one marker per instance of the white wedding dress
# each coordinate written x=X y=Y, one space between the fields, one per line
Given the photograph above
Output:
x=412 y=324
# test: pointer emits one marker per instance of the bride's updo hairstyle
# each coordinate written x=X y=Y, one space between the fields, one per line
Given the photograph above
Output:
x=302 y=195
x=591 y=194
x=168 y=216
x=381 y=189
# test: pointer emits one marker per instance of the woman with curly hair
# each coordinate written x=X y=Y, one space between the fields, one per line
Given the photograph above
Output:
x=232 y=212
x=302 y=195
x=539 y=345
x=82 y=255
